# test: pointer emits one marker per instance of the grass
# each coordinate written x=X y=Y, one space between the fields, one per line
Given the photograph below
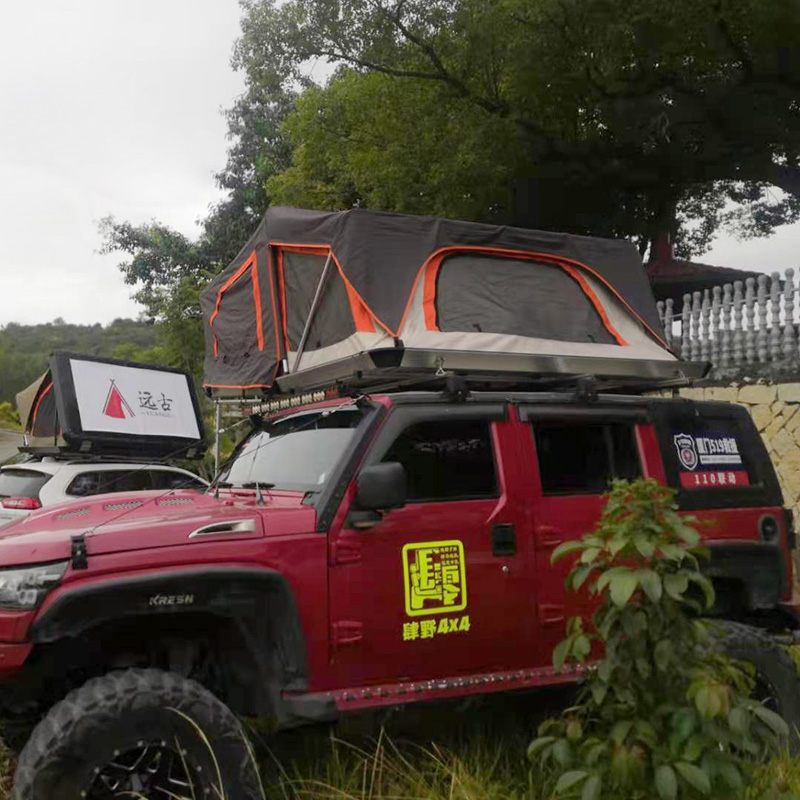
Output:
x=478 y=754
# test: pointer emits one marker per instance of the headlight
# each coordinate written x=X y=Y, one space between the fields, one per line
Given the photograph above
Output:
x=26 y=587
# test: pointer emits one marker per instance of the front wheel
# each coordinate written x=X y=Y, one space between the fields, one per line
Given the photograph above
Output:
x=137 y=733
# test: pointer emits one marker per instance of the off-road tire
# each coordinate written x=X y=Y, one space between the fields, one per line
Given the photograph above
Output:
x=773 y=665
x=117 y=712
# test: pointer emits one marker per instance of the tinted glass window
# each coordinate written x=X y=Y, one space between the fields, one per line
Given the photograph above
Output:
x=297 y=452
x=446 y=460
x=583 y=458
x=714 y=456
x=86 y=484
x=22 y=483
x=164 y=479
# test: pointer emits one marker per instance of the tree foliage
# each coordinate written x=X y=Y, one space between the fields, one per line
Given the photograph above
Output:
x=25 y=349
x=606 y=116
x=9 y=418
x=662 y=715
x=166 y=268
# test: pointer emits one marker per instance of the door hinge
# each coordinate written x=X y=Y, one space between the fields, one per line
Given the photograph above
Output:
x=346 y=632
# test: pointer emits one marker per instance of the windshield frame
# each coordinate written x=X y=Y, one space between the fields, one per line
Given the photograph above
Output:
x=342 y=470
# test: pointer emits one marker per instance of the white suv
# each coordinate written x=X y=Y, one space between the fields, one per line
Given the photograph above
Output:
x=32 y=484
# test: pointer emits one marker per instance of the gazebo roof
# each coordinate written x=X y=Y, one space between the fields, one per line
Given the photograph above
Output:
x=673 y=277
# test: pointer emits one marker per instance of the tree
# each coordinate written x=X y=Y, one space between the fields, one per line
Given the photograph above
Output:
x=664 y=714
x=608 y=117
x=168 y=269
x=626 y=117
x=25 y=349
x=360 y=143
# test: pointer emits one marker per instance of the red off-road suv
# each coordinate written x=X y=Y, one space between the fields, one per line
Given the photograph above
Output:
x=357 y=552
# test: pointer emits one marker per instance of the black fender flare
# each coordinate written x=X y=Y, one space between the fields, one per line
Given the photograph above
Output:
x=259 y=602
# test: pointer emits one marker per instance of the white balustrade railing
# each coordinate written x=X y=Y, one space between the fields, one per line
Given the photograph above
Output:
x=755 y=321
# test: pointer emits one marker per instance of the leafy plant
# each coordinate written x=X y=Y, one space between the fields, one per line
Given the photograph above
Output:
x=9 y=417
x=661 y=714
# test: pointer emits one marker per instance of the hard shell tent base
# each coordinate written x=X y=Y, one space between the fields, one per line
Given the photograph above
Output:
x=418 y=367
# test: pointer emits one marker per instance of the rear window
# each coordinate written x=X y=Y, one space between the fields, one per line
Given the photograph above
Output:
x=22 y=483
x=714 y=456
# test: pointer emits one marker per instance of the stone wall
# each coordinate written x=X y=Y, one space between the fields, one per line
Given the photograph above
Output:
x=775 y=409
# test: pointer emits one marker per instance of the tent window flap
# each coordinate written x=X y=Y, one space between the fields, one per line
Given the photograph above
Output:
x=484 y=294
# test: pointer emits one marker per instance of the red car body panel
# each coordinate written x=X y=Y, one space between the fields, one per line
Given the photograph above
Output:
x=348 y=584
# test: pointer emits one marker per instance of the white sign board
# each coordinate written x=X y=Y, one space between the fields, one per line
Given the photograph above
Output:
x=139 y=402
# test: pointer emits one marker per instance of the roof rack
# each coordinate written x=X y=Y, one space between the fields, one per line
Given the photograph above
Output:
x=393 y=368
x=71 y=457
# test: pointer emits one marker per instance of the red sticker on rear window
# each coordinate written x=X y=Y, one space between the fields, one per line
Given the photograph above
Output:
x=714 y=480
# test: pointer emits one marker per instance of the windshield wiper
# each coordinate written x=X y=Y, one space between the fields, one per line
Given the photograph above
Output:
x=258 y=486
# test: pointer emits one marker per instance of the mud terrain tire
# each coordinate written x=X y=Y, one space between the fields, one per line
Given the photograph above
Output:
x=774 y=667
x=98 y=732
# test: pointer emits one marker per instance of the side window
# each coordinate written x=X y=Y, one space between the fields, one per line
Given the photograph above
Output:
x=164 y=479
x=584 y=457
x=86 y=484
x=446 y=460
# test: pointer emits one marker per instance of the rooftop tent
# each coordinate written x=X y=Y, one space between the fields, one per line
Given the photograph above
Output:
x=84 y=404
x=311 y=290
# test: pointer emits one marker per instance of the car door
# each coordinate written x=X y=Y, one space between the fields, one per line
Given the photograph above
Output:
x=437 y=588
x=571 y=455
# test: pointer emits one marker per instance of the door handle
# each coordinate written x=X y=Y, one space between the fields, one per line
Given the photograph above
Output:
x=504 y=539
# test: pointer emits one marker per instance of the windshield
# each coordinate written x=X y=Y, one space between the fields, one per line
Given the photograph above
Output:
x=296 y=452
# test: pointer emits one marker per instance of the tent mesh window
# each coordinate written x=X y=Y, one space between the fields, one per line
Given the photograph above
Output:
x=333 y=320
x=243 y=315
x=44 y=421
x=235 y=325
x=483 y=294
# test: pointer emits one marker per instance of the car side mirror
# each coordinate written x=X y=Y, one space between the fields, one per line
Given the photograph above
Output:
x=381 y=487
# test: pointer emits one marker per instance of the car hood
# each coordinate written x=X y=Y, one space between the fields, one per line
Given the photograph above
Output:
x=140 y=520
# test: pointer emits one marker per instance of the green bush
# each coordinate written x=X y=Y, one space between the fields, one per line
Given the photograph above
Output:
x=8 y=416
x=662 y=715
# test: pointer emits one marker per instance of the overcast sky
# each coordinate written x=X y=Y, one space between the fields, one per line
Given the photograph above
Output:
x=112 y=107
x=106 y=107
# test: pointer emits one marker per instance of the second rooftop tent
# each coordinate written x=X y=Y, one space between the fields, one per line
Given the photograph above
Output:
x=84 y=404
x=313 y=293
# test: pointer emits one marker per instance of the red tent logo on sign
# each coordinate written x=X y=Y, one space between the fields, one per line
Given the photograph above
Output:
x=115 y=405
